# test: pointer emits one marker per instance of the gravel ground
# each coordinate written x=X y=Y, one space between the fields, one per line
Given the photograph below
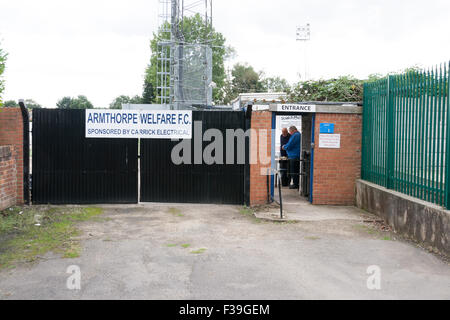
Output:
x=222 y=252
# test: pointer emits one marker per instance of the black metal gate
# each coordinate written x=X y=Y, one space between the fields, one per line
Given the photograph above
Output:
x=163 y=181
x=67 y=168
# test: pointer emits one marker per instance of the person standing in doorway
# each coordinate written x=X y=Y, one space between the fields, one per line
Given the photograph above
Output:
x=284 y=139
x=293 y=151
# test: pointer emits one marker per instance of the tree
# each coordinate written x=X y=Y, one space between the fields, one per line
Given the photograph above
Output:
x=31 y=104
x=64 y=103
x=11 y=104
x=117 y=103
x=194 y=31
x=148 y=96
x=246 y=79
x=243 y=79
x=276 y=84
x=3 y=56
x=227 y=90
x=81 y=102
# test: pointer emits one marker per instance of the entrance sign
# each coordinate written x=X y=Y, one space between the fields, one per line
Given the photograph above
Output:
x=330 y=141
x=121 y=124
x=306 y=108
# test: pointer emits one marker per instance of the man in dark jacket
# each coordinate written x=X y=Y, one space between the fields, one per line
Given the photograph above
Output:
x=284 y=139
x=293 y=151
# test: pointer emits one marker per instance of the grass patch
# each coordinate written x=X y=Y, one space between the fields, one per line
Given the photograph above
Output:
x=287 y=222
x=171 y=245
x=27 y=233
x=364 y=228
x=250 y=213
x=72 y=253
x=372 y=231
x=246 y=211
x=185 y=246
x=199 y=251
x=176 y=212
x=312 y=238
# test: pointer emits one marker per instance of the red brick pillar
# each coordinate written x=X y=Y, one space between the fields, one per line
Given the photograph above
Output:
x=8 y=178
x=11 y=134
x=336 y=170
x=261 y=126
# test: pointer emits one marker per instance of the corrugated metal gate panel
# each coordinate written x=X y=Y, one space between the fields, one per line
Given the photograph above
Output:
x=163 y=181
x=70 y=169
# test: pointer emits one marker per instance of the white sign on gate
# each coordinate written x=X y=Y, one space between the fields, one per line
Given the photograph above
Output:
x=138 y=124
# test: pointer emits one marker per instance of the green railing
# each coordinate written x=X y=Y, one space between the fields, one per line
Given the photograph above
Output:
x=406 y=136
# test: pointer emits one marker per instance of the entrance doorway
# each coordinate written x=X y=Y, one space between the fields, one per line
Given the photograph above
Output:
x=305 y=123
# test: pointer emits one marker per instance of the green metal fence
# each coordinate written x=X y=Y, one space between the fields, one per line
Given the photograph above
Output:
x=406 y=136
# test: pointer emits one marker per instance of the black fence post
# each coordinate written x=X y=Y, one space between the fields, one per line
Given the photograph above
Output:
x=247 y=127
x=26 y=152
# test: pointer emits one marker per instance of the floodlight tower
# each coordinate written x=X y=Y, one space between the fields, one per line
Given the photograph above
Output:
x=164 y=52
x=304 y=35
x=185 y=64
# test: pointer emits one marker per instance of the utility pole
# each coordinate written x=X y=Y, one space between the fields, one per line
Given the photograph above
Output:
x=304 y=35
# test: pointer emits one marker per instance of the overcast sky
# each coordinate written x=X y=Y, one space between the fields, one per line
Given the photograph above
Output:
x=100 y=48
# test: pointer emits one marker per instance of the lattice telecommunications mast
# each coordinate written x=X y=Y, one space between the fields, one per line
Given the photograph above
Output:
x=184 y=75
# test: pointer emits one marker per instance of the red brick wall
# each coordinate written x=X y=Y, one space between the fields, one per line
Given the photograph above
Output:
x=336 y=170
x=258 y=169
x=11 y=134
x=8 y=177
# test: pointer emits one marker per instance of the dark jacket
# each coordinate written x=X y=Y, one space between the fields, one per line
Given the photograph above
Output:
x=284 y=141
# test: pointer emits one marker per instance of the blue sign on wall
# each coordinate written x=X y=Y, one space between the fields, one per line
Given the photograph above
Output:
x=327 y=128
